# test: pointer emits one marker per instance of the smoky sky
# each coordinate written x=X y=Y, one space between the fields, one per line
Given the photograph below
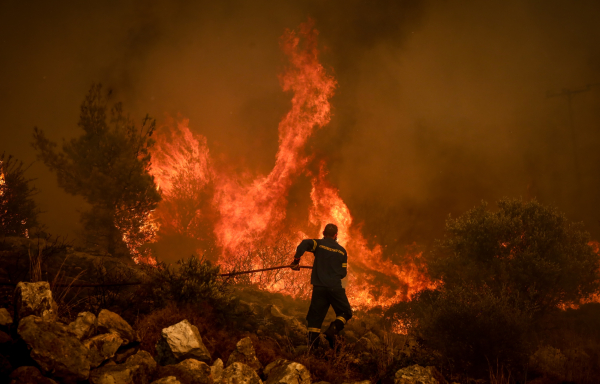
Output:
x=439 y=104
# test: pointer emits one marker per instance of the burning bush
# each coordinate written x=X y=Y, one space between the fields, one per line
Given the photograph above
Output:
x=527 y=249
x=500 y=273
x=18 y=211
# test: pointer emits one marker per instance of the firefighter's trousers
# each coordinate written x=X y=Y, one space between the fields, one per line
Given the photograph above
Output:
x=322 y=298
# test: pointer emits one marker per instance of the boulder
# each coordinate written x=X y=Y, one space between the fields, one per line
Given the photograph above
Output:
x=189 y=371
x=285 y=325
x=167 y=380
x=55 y=349
x=365 y=345
x=84 y=325
x=239 y=373
x=244 y=353
x=286 y=372
x=375 y=340
x=34 y=299
x=144 y=360
x=138 y=369
x=110 y=322
x=29 y=375
x=6 y=319
x=123 y=354
x=415 y=374
x=216 y=370
x=179 y=342
x=102 y=347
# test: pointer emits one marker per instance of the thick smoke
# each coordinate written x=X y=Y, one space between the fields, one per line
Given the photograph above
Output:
x=439 y=104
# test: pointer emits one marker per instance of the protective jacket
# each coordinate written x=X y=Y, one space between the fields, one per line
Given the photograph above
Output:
x=331 y=261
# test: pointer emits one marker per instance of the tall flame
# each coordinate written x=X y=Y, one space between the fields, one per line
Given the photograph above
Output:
x=246 y=217
x=247 y=211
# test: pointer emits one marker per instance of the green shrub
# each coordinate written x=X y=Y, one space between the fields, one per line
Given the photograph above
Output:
x=470 y=328
x=193 y=281
x=525 y=248
x=500 y=274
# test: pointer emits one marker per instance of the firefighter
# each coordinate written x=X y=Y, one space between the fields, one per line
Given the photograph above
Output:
x=328 y=271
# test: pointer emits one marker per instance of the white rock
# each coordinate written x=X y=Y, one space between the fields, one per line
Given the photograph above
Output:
x=84 y=325
x=102 y=347
x=415 y=374
x=110 y=322
x=34 y=299
x=179 y=342
x=286 y=372
x=167 y=380
x=216 y=370
x=188 y=371
x=239 y=373
x=5 y=318
x=244 y=353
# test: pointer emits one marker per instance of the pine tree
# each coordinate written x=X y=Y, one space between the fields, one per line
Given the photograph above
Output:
x=108 y=166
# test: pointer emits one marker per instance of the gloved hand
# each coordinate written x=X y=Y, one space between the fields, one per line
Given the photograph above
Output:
x=295 y=265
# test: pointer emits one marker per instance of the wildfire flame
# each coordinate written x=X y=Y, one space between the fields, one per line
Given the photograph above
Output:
x=246 y=217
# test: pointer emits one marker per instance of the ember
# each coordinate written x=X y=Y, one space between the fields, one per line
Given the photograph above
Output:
x=246 y=216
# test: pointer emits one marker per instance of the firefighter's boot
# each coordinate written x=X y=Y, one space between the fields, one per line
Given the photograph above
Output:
x=313 y=340
x=331 y=333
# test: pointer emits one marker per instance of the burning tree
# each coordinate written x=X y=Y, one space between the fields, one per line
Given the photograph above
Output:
x=246 y=217
x=500 y=272
x=18 y=211
x=531 y=250
x=108 y=166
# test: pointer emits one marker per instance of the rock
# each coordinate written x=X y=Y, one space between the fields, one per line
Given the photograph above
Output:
x=365 y=345
x=244 y=353
x=123 y=354
x=6 y=319
x=102 y=347
x=415 y=374
x=189 y=371
x=322 y=382
x=84 y=325
x=144 y=360
x=110 y=322
x=359 y=382
x=286 y=372
x=34 y=299
x=55 y=349
x=216 y=370
x=167 y=380
x=29 y=375
x=179 y=342
x=138 y=369
x=5 y=367
x=373 y=338
x=239 y=373
x=283 y=324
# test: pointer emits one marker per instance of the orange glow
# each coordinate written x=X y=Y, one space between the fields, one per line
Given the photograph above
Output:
x=2 y=179
x=247 y=216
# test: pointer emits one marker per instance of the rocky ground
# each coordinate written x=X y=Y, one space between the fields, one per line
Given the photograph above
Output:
x=37 y=347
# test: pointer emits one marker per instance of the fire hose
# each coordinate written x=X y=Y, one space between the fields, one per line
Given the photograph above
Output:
x=139 y=283
x=260 y=270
